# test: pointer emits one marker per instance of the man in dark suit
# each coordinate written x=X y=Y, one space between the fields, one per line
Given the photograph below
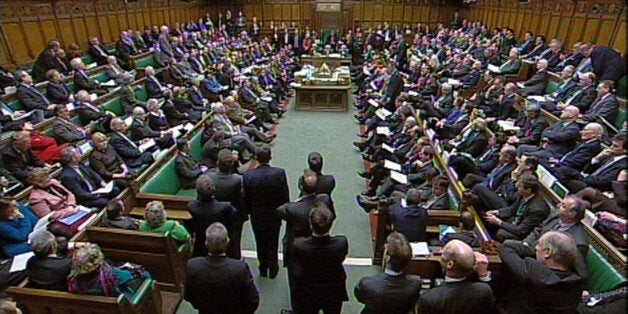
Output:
x=409 y=217
x=319 y=275
x=56 y=91
x=127 y=149
x=474 y=142
x=607 y=63
x=392 y=291
x=18 y=157
x=228 y=188
x=90 y=113
x=46 y=269
x=603 y=169
x=141 y=132
x=82 y=79
x=154 y=88
x=125 y=47
x=512 y=65
x=218 y=284
x=580 y=95
x=206 y=210
x=570 y=164
x=265 y=189
x=45 y=61
x=325 y=183
x=187 y=168
x=65 y=130
x=518 y=220
x=531 y=127
x=536 y=84
x=604 y=106
x=296 y=214
x=97 y=51
x=500 y=173
x=557 y=139
x=571 y=211
x=82 y=181
x=553 y=282
x=31 y=98
x=459 y=293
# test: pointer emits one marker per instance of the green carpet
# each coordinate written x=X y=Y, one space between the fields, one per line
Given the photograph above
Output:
x=331 y=134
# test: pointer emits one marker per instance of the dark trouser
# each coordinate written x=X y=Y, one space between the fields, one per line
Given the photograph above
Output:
x=463 y=166
x=235 y=237
x=306 y=307
x=267 y=245
x=471 y=179
x=99 y=203
x=487 y=199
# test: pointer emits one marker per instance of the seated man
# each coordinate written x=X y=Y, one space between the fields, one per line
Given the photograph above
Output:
x=91 y=114
x=536 y=84
x=114 y=71
x=57 y=91
x=518 y=220
x=114 y=219
x=82 y=181
x=127 y=149
x=553 y=282
x=460 y=294
x=465 y=232
x=18 y=157
x=141 y=132
x=531 y=127
x=572 y=163
x=512 y=65
x=392 y=291
x=31 y=98
x=188 y=169
x=605 y=106
x=82 y=79
x=65 y=130
x=154 y=88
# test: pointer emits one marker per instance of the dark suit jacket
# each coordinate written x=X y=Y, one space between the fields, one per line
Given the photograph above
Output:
x=536 y=84
x=18 y=166
x=607 y=63
x=584 y=99
x=228 y=188
x=458 y=298
x=30 y=99
x=49 y=273
x=606 y=108
x=82 y=82
x=511 y=68
x=385 y=293
x=470 y=79
x=410 y=221
x=577 y=232
x=152 y=88
x=174 y=116
x=474 y=147
x=131 y=155
x=106 y=163
x=265 y=189
x=98 y=57
x=157 y=122
x=325 y=184
x=498 y=175
x=188 y=170
x=45 y=61
x=77 y=185
x=561 y=139
x=538 y=289
x=581 y=155
x=128 y=100
x=89 y=114
x=532 y=135
x=218 y=284
x=297 y=217
x=139 y=131
x=319 y=277
x=205 y=213
x=66 y=131
x=535 y=211
x=603 y=180
x=57 y=93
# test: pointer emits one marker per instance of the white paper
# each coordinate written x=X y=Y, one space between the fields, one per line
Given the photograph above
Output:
x=373 y=86
x=419 y=249
x=383 y=130
x=293 y=84
x=19 y=261
x=106 y=189
x=189 y=126
x=392 y=165
x=108 y=83
x=91 y=65
x=85 y=148
x=507 y=125
x=251 y=119
x=413 y=93
x=453 y=82
x=41 y=224
x=70 y=106
x=147 y=145
x=388 y=148
x=493 y=68
x=267 y=99
x=520 y=85
x=93 y=96
x=373 y=103
x=128 y=120
x=399 y=177
x=536 y=98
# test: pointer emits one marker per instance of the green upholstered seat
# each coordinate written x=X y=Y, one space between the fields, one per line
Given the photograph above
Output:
x=142 y=291
x=622 y=87
x=196 y=149
x=603 y=276
x=188 y=192
x=622 y=116
x=70 y=85
x=141 y=94
x=100 y=77
x=454 y=203
x=114 y=105
x=144 y=62
x=551 y=87
x=15 y=105
x=87 y=59
x=164 y=181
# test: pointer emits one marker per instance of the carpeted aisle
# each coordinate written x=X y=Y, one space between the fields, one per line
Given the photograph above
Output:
x=331 y=134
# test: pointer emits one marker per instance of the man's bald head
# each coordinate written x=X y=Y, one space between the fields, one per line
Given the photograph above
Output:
x=457 y=259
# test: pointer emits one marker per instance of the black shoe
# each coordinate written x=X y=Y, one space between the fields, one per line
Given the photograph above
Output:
x=263 y=272
x=368 y=193
x=366 y=157
x=360 y=145
x=273 y=272
x=365 y=175
x=367 y=206
x=362 y=135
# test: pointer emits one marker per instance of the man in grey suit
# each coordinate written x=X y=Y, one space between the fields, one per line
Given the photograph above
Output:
x=604 y=106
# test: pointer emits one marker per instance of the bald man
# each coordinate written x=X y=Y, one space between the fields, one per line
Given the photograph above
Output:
x=569 y=165
x=551 y=283
x=458 y=294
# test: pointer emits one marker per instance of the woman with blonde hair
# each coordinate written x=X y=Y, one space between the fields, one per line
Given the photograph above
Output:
x=48 y=195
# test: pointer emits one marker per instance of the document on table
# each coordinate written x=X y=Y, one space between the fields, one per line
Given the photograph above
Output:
x=382 y=113
x=453 y=82
x=392 y=165
x=413 y=93
x=388 y=148
x=419 y=249
x=19 y=261
x=507 y=125
x=399 y=177
x=251 y=119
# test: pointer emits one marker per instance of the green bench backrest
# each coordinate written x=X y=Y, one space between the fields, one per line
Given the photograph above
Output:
x=622 y=116
x=454 y=203
x=15 y=105
x=141 y=94
x=164 y=181
x=196 y=149
x=603 y=276
x=143 y=63
x=87 y=59
x=114 y=105
x=551 y=87
x=622 y=87
x=100 y=77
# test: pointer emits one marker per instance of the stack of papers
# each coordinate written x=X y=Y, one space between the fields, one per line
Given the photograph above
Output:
x=399 y=177
x=147 y=145
x=106 y=189
x=493 y=68
x=419 y=249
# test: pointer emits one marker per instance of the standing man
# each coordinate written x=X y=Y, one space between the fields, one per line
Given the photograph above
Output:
x=325 y=183
x=392 y=291
x=218 y=284
x=265 y=189
x=319 y=277
x=458 y=294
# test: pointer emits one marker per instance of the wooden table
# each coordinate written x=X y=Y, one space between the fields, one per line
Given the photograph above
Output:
x=322 y=98
x=332 y=62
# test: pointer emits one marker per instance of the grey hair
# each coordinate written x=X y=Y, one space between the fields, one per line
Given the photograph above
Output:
x=155 y=214
x=216 y=238
x=43 y=243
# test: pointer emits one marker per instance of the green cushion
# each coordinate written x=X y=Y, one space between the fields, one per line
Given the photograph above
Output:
x=551 y=87
x=114 y=105
x=189 y=192
x=603 y=276
x=141 y=94
x=142 y=291
x=87 y=59
x=70 y=85
x=100 y=77
x=559 y=189
x=622 y=116
x=622 y=87
x=164 y=181
x=454 y=203
x=15 y=105
x=196 y=149
x=144 y=62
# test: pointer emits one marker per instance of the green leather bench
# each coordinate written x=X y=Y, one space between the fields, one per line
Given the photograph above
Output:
x=551 y=87
x=603 y=277
x=114 y=105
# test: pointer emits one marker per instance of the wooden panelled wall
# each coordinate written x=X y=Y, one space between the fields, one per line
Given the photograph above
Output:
x=362 y=13
x=27 y=25
x=600 y=21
